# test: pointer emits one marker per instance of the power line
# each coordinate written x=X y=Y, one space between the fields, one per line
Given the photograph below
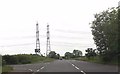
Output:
x=14 y=45
x=73 y=32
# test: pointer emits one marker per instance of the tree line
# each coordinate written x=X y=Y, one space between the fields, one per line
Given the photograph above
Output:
x=105 y=31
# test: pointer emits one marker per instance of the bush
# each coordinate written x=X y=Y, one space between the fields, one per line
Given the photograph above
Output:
x=23 y=59
x=9 y=59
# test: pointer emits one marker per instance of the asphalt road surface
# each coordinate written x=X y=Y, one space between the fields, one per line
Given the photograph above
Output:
x=65 y=66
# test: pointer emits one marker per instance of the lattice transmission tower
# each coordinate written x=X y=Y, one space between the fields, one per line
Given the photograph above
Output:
x=48 y=47
x=37 y=50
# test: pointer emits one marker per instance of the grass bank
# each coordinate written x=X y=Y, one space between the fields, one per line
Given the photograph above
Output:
x=41 y=59
x=97 y=60
x=22 y=59
x=7 y=68
x=0 y=69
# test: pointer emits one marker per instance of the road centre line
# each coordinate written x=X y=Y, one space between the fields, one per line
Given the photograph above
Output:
x=30 y=69
x=73 y=65
x=38 y=70
x=42 y=67
x=77 y=68
x=83 y=72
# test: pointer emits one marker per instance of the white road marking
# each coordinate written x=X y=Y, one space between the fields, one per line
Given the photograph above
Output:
x=30 y=69
x=73 y=65
x=83 y=72
x=38 y=70
x=77 y=68
x=42 y=67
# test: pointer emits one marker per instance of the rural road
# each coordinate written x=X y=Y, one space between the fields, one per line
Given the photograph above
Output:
x=65 y=66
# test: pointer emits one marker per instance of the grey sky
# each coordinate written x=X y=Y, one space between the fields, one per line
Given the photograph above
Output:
x=68 y=19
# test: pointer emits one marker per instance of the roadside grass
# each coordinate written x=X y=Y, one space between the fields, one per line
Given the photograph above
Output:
x=23 y=59
x=37 y=59
x=97 y=60
x=0 y=69
x=7 y=68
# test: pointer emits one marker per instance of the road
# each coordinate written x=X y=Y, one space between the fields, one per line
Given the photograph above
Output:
x=65 y=66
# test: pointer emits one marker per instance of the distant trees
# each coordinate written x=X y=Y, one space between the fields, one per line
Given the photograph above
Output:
x=16 y=59
x=54 y=55
x=74 y=54
x=69 y=55
x=90 y=53
x=105 y=32
x=77 y=53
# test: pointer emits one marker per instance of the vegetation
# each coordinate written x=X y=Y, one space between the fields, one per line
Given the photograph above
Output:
x=24 y=59
x=106 y=37
x=7 y=68
x=90 y=53
x=0 y=60
x=105 y=32
x=75 y=54
x=54 y=55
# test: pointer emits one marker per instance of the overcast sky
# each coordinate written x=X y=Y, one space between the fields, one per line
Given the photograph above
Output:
x=68 y=19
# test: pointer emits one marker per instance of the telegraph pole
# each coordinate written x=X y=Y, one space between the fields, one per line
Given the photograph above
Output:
x=48 y=48
x=37 y=50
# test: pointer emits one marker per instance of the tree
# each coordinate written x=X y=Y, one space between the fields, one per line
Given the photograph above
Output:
x=69 y=55
x=105 y=32
x=90 y=53
x=8 y=59
x=77 y=53
x=57 y=56
x=119 y=33
x=53 y=54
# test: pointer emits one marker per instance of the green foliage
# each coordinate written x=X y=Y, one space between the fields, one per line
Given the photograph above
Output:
x=90 y=53
x=69 y=55
x=105 y=32
x=8 y=59
x=7 y=69
x=54 y=55
x=77 y=53
x=23 y=59
x=119 y=35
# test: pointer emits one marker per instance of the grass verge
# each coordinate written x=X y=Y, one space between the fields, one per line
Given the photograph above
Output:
x=97 y=60
x=41 y=59
x=22 y=59
x=7 y=68
x=0 y=69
